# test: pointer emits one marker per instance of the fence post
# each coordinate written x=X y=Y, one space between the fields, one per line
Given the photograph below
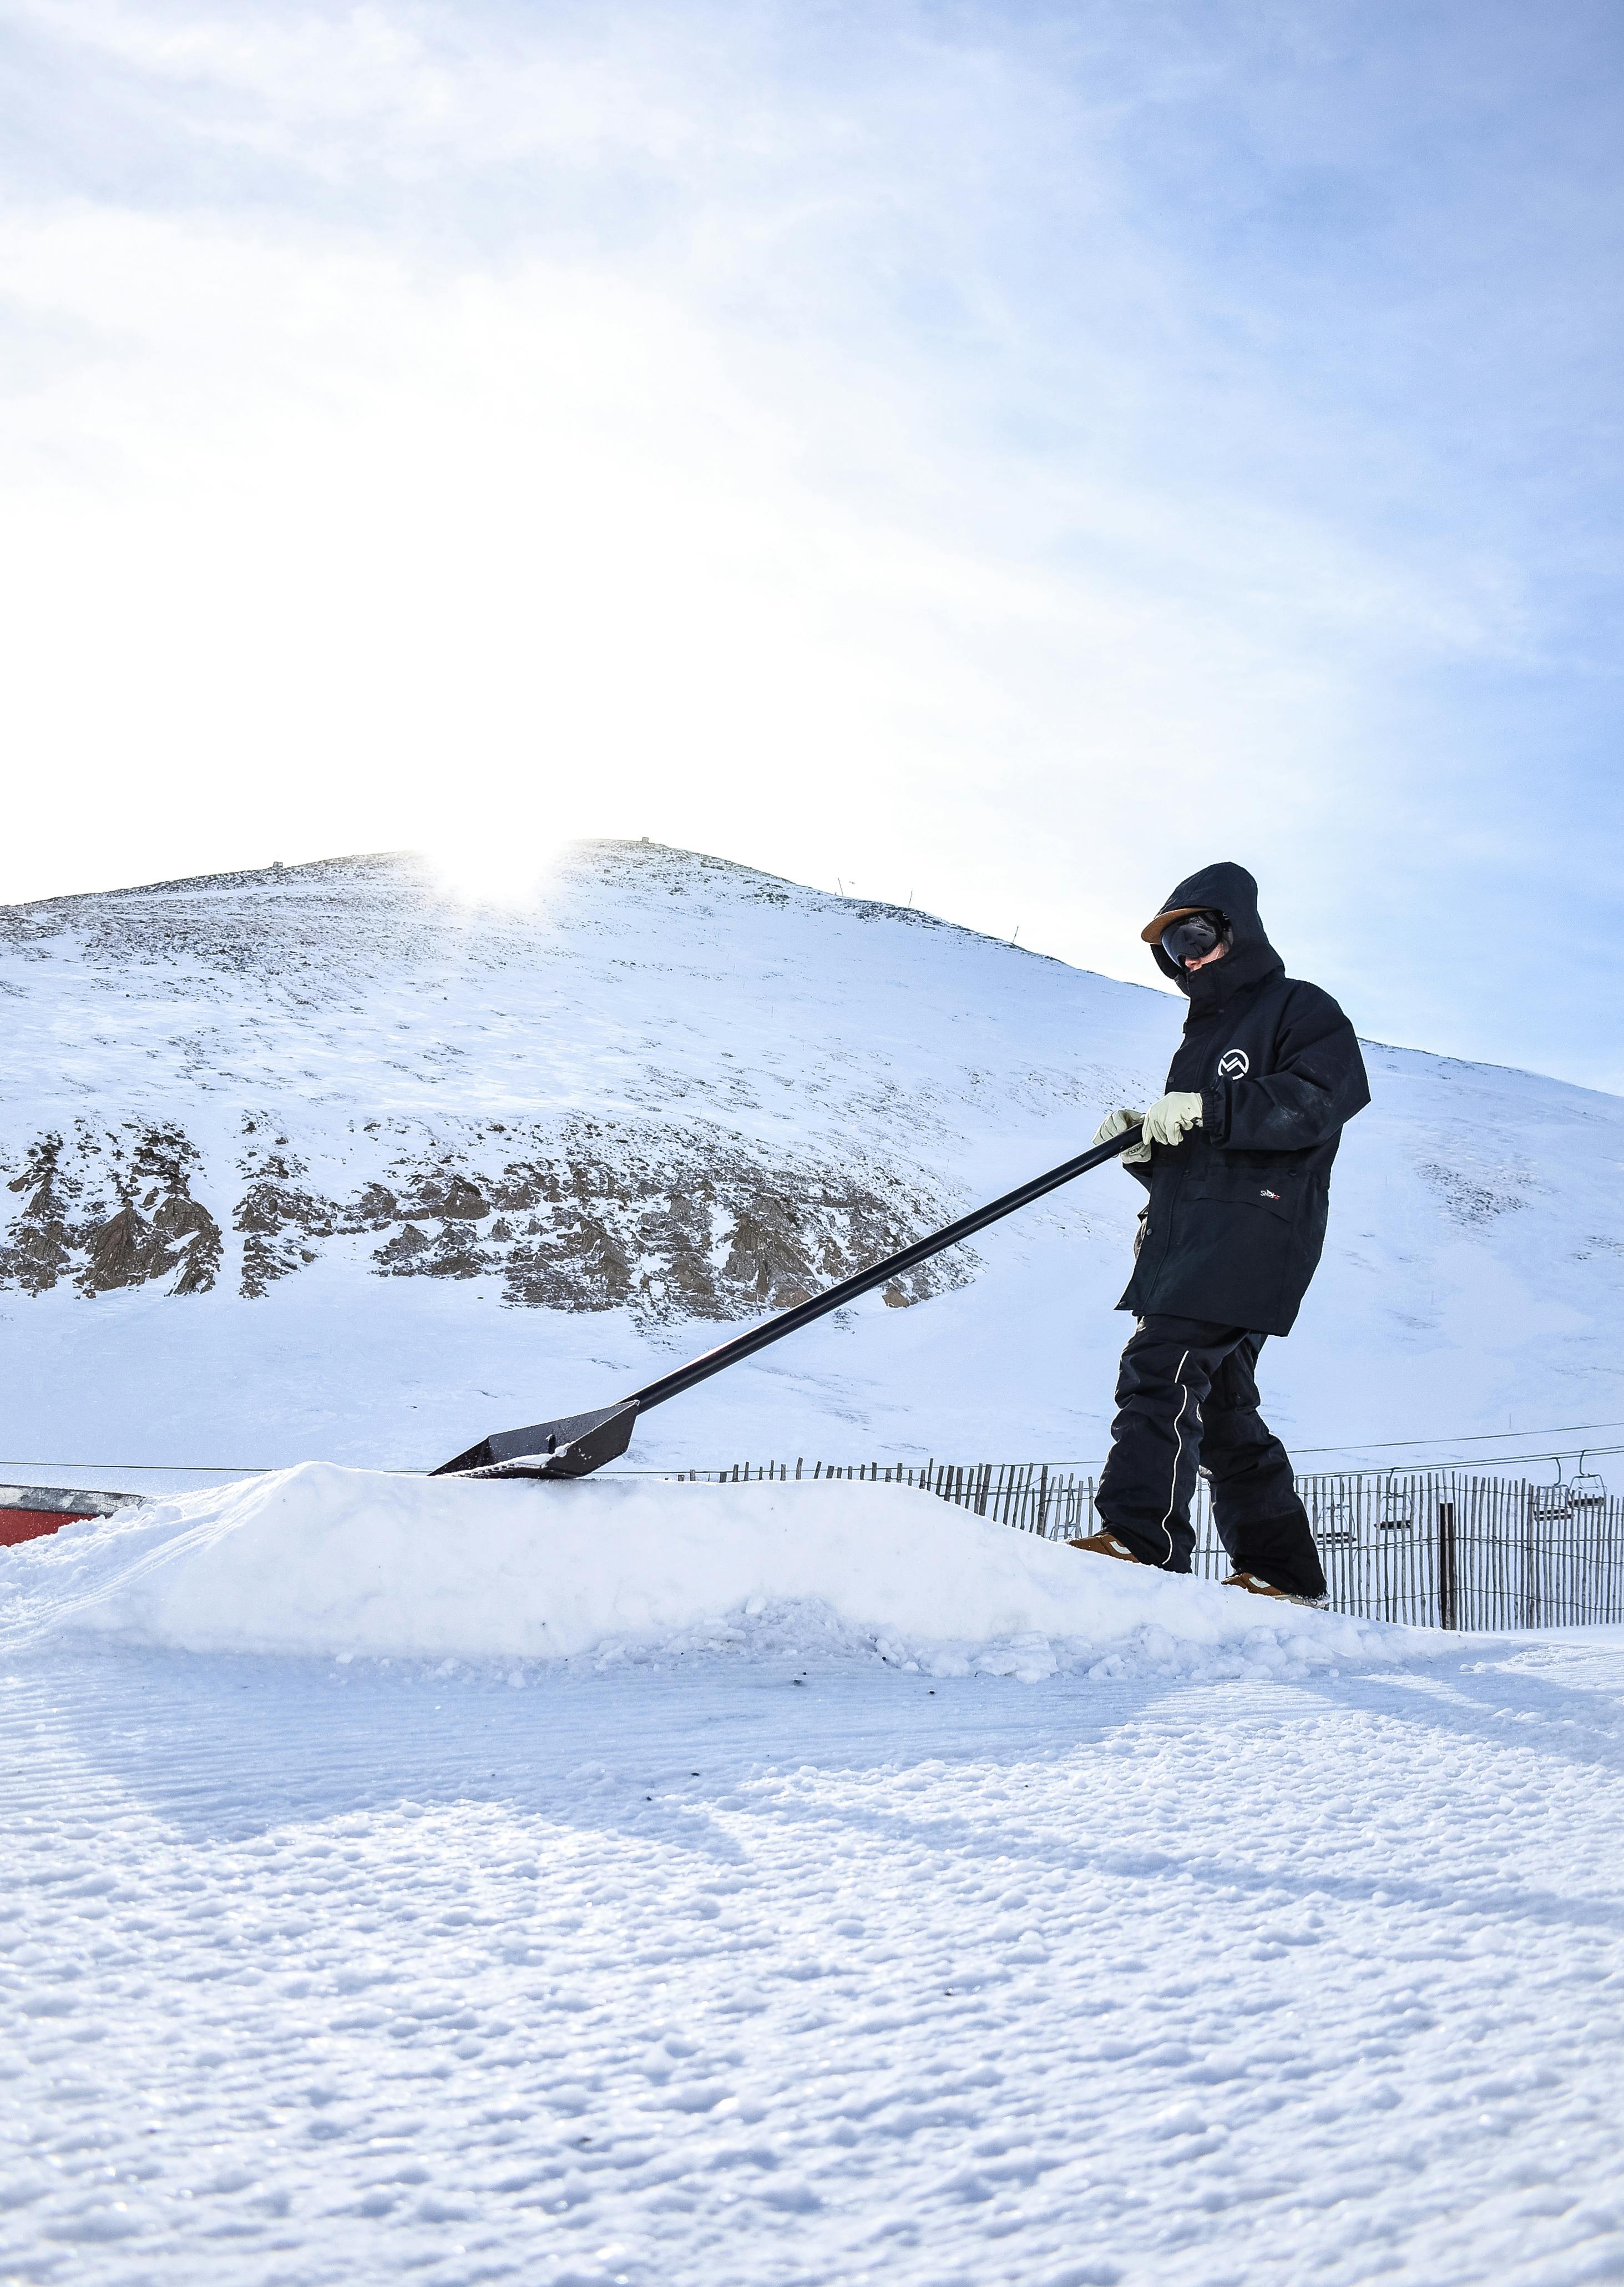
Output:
x=1448 y=1602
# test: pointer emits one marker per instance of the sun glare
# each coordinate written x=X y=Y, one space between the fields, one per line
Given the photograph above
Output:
x=492 y=872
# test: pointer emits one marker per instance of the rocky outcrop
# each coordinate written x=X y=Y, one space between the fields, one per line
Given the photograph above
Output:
x=589 y=1215
x=670 y=1223
x=38 y=1250
x=277 y=1217
x=1477 y=1198
x=107 y=1208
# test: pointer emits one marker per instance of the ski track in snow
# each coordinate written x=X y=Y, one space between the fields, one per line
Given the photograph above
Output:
x=810 y=1971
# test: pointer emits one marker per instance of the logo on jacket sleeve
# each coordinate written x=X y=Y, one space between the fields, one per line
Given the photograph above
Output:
x=1234 y=1064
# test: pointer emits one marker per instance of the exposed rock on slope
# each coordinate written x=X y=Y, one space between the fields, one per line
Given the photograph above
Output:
x=110 y=1207
x=675 y=1223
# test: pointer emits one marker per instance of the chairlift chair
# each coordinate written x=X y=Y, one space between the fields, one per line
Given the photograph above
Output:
x=1396 y=1511
x=1336 y=1520
x=1550 y=1501
x=1589 y=1490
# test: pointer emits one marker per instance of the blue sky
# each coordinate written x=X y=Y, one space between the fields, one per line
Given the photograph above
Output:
x=1005 y=456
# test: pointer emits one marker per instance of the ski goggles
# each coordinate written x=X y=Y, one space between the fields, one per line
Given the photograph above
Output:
x=1194 y=937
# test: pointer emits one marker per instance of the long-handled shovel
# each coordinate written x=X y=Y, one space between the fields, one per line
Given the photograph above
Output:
x=580 y=1443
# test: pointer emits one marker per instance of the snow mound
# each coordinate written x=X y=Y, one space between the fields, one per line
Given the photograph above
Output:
x=329 y=1562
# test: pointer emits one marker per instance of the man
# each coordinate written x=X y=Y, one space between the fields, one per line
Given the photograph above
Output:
x=1237 y=1160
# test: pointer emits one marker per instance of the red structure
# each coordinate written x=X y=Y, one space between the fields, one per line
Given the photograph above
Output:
x=28 y=1512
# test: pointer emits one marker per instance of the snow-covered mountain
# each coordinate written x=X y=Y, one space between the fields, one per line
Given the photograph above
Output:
x=322 y=1162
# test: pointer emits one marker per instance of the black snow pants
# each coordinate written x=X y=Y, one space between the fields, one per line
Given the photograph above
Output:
x=1187 y=1398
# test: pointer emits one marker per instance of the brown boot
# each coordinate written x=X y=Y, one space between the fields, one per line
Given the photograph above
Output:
x=1106 y=1544
x=1254 y=1587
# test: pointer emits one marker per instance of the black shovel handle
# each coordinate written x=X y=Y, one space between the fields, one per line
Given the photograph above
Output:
x=803 y=1314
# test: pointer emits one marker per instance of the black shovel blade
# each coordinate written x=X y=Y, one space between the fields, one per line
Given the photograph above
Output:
x=570 y=1448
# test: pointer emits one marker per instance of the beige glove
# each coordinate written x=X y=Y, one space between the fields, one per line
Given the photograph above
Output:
x=1114 y=1123
x=1170 y=1118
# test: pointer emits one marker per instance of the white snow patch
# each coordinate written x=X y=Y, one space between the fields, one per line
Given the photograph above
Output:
x=329 y=1562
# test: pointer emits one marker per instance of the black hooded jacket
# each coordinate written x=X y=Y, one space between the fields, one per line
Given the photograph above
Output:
x=1237 y=1211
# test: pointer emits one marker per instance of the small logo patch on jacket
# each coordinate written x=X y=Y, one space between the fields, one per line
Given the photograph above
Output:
x=1234 y=1064
x=1268 y=1195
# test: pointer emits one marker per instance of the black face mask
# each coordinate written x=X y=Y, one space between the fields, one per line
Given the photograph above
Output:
x=1194 y=937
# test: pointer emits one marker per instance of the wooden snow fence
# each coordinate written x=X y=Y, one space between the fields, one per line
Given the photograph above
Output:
x=1436 y=1547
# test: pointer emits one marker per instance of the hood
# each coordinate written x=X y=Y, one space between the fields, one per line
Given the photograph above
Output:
x=1251 y=957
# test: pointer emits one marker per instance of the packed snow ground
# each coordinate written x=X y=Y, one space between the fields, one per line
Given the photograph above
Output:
x=732 y=1950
